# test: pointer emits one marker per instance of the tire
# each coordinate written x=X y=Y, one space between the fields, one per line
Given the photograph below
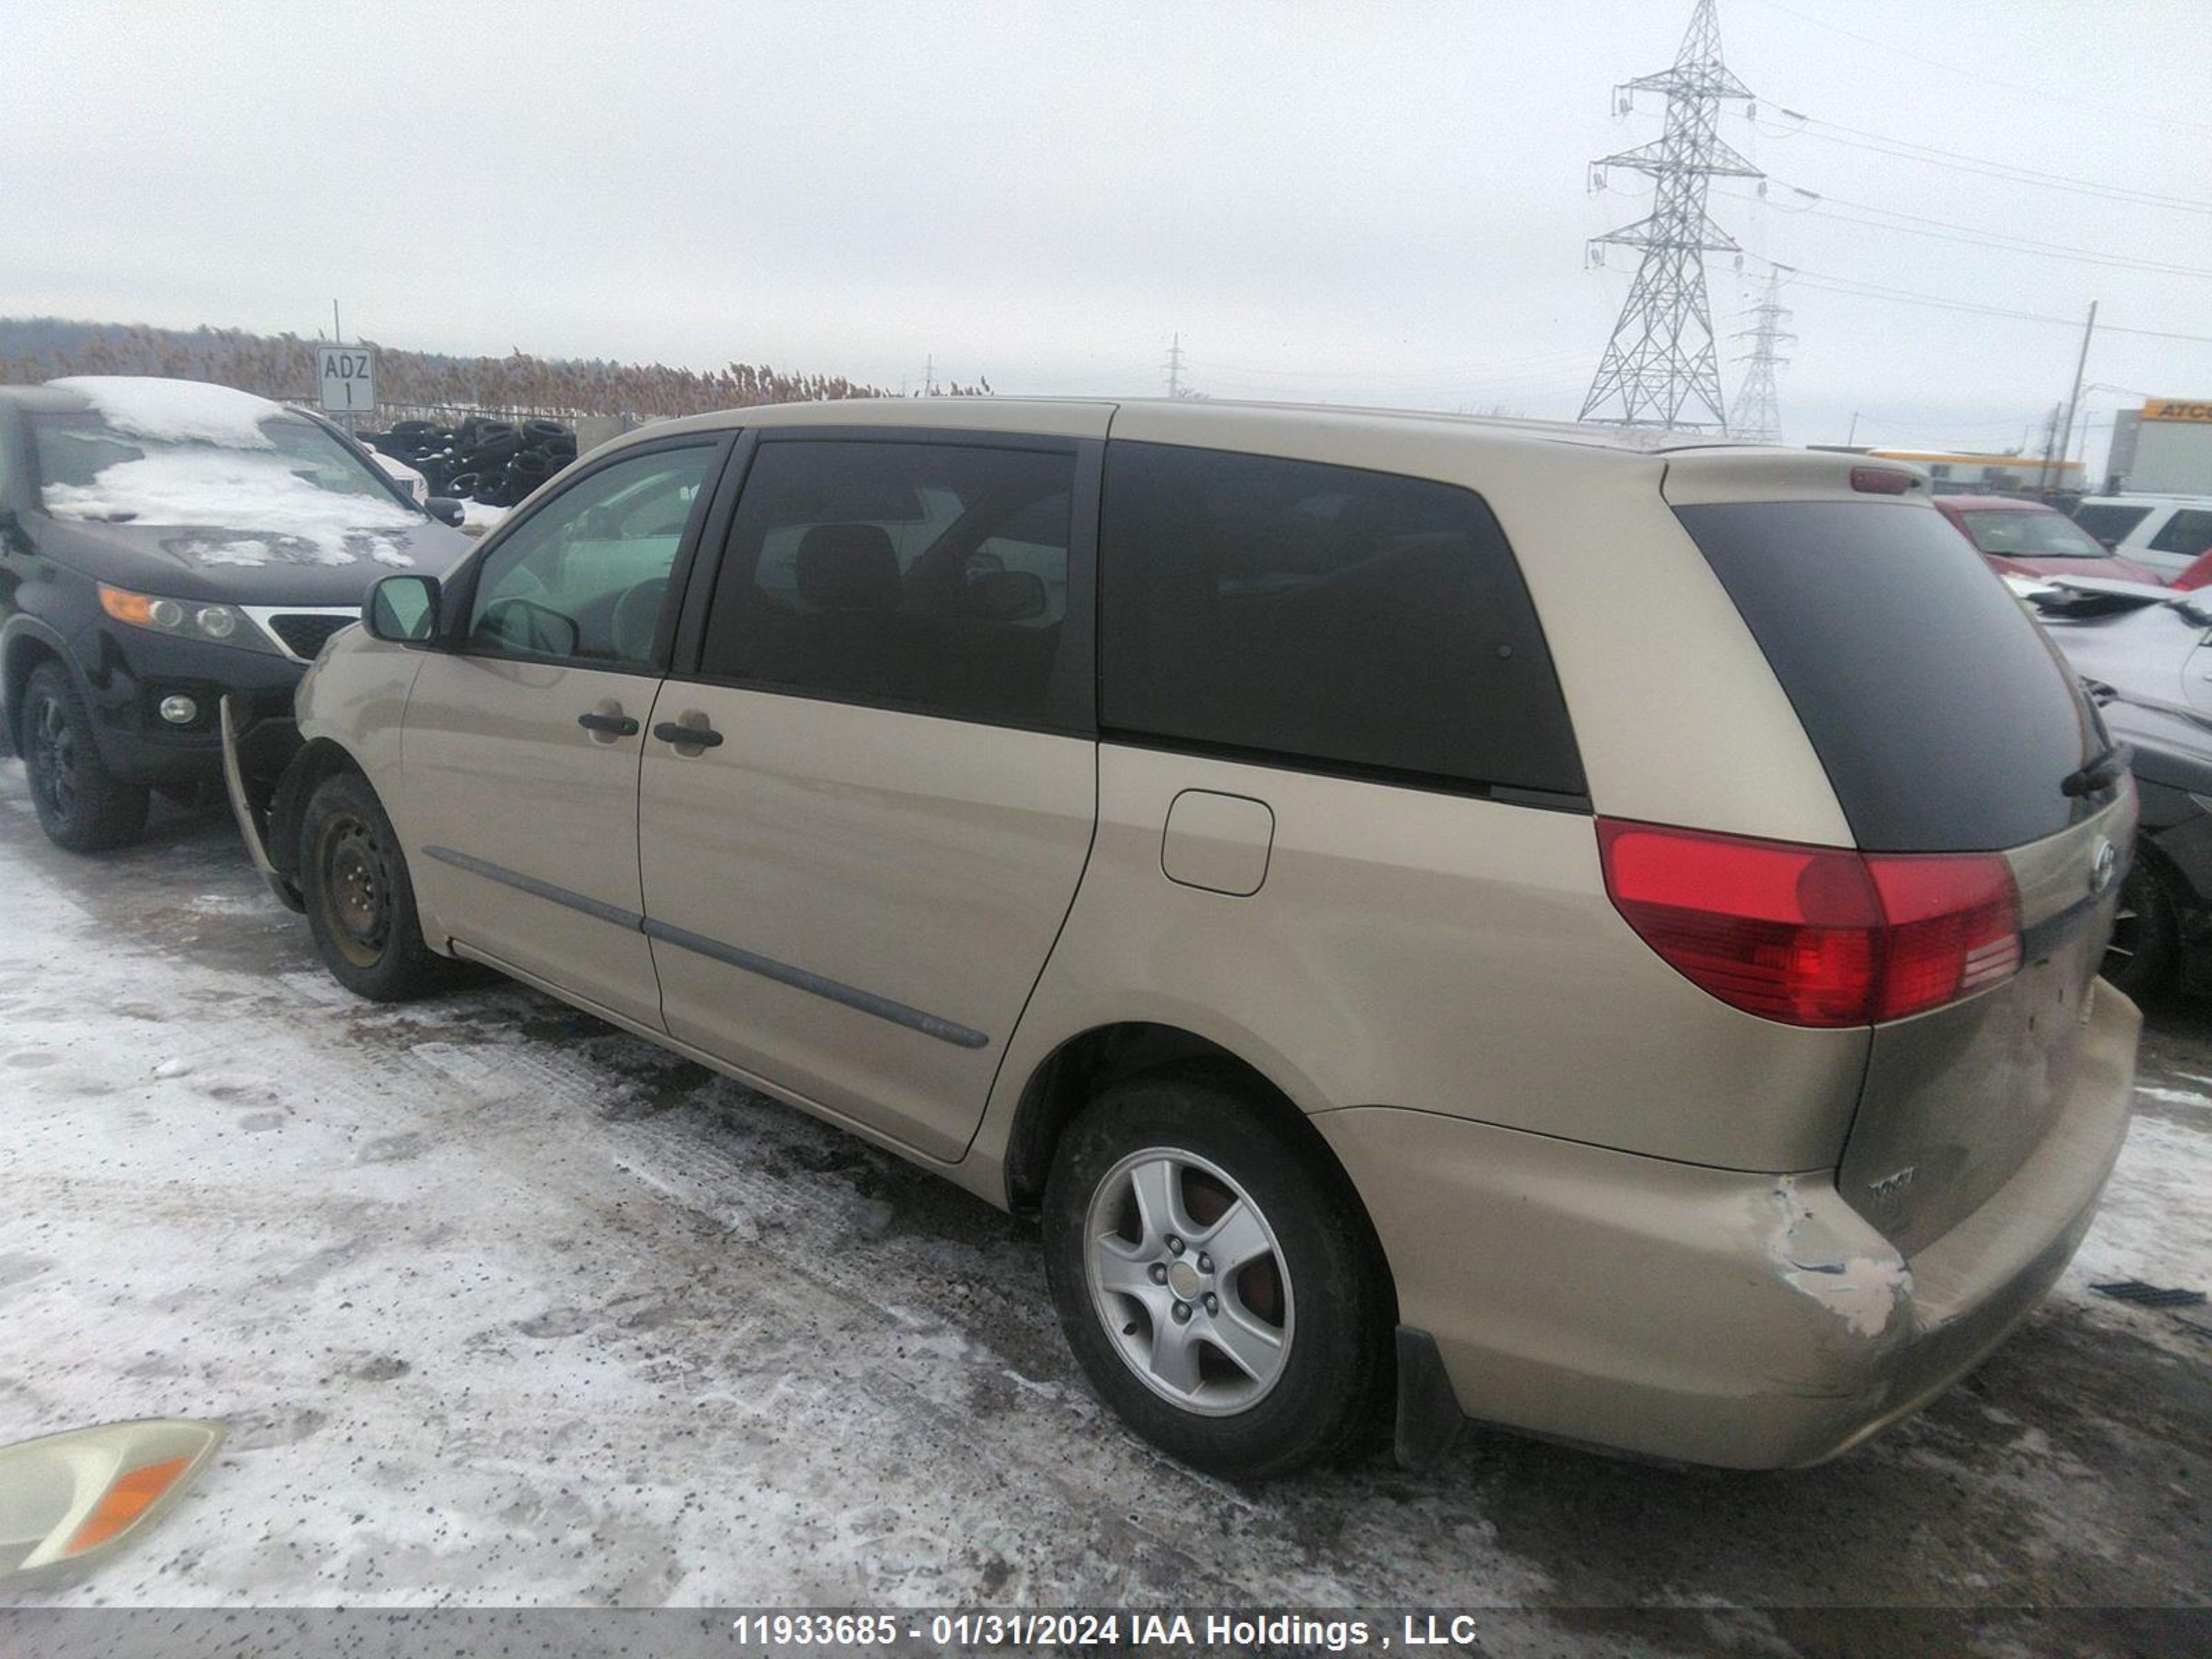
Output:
x=2145 y=943
x=361 y=903
x=81 y=805
x=1313 y=1285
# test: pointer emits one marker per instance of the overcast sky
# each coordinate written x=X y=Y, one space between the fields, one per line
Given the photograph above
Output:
x=1377 y=201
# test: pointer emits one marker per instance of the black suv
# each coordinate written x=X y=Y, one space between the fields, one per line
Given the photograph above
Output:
x=163 y=543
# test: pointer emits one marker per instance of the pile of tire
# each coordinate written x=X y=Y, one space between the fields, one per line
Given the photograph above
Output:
x=496 y=463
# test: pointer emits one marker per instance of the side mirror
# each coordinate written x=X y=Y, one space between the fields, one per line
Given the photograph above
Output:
x=402 y=610
x=446 y=509
x=1006 y=596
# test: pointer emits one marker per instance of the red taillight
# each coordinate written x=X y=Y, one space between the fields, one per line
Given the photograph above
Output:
x=1953 y=928
x=1814 y=935
x=1879 y=481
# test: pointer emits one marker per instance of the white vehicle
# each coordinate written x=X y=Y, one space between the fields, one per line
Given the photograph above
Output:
x=2167 y=532
x=401 y=474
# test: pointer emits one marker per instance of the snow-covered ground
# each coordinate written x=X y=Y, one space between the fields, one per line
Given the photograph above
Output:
x=504 y=1307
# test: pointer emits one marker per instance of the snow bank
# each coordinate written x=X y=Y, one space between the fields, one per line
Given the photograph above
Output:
x=476 y=518
x=175 y=411
x=238 y=489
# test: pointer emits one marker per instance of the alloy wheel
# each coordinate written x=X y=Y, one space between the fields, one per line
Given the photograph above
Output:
x=1189 y=1279
x=51 y=757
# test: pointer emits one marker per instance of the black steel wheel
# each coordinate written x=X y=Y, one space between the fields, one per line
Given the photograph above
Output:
x=360 y=899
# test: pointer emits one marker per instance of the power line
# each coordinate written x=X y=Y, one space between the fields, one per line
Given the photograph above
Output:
x=1944 y=230
x=1877 y=291
x=2042 y=93
x=1928 y=154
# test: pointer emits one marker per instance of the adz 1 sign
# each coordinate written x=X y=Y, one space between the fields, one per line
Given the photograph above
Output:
x=348 y=376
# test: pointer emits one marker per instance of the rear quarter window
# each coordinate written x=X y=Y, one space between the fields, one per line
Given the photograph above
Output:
x=1323 y=616
x=1945 y=720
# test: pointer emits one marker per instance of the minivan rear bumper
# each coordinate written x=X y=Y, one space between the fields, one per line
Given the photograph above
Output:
x=1710 y=1316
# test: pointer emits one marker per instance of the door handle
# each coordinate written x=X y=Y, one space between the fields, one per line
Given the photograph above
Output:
x=616 y=725
x=702 y=736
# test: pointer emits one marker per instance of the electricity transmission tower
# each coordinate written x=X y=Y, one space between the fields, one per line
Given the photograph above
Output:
x=1660 y=368
x=1757 y=410
x=1174 y=366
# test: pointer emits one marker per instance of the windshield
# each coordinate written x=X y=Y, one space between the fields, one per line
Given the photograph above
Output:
x=2029 y=535
x=81 y=458
x=279 y=490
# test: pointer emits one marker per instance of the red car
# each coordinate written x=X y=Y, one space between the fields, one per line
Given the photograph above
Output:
x=2026 y=539
x=2198 y=574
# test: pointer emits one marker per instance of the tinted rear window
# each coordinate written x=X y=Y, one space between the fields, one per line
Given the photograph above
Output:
x=1324 y=615
x=2110 y=524
x=1945 y=720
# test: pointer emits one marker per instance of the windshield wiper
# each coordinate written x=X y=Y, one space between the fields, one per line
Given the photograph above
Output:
x=2099 y=774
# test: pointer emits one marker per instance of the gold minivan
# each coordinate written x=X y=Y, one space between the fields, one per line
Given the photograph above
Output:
x=1435 y=917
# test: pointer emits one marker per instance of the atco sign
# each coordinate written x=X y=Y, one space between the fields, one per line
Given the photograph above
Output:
x=2176 y=409
x=348 y=376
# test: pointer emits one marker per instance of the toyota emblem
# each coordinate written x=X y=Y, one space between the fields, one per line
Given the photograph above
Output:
x=2104 y=866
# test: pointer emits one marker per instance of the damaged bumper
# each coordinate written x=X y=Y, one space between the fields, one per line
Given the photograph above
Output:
x=254 y=758
x=1706 y=1316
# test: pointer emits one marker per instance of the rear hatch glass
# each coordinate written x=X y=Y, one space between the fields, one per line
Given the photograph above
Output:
x=1946 y=722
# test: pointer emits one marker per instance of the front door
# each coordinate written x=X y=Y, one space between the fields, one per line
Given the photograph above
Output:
x=520 y=755
x=863 y=821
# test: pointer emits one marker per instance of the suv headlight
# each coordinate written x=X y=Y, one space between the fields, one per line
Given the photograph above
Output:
x=187 y=619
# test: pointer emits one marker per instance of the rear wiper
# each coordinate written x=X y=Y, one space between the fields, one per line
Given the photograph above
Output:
x=2101 y=773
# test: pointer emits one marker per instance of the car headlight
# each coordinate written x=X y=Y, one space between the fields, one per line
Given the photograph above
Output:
x=186 y=619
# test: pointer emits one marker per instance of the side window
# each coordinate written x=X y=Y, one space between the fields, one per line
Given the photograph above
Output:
x=2189 y=531
x=2109 y=522
x=928 y=576
x=1326 y=614
x=584 y=578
